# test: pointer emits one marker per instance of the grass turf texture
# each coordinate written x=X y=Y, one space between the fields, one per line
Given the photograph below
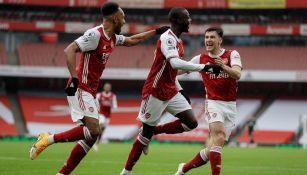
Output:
x=163 y=159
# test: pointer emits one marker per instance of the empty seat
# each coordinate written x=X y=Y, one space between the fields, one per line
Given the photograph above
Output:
x=7 y=122
x=271 y=57
x=3 y=55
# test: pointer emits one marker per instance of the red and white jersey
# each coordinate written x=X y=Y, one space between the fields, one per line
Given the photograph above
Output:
x=96 y=47
x=222 y=87
x=161 y=79
x=107 y=101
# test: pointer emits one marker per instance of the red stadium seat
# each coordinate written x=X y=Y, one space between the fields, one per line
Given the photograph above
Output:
x=271 y=58
x=132 y=57
x=269 y=137
x=42 y=54
x=3 y=55
x=7 y=123
x=44 y=113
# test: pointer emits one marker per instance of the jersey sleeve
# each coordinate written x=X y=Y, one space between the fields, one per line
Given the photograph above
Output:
x=89 y=40
x=168 y=47
x=120 y=39
x=195 y=60
x=235 y=59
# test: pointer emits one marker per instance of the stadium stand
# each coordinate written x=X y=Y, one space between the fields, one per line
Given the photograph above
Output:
x=132 y=57
x=41 y=54
x=150 y=16
x=7 y=123
x=279 y=123
x=41 y=112
x=275 y=58
x=246 y=108
x=3 y=55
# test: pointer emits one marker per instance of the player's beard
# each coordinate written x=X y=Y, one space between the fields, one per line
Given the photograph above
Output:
x=117 y=30
x=185 y=28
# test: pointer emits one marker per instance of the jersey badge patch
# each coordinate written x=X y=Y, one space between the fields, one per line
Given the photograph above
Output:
x=170 y=42
x=91 y=109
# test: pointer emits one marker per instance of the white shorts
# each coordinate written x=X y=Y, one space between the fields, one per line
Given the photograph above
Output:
x=82 y=104
x=152 y=108
x=104 y=120
x=222 y=111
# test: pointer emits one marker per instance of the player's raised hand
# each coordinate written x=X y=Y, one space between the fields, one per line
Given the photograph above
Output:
x=213 y=68
x=161 y=30
x=72 y=86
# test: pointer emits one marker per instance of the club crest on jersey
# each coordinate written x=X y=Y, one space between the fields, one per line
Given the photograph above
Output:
x=147 y=115
x=170 y=42
x=211 y=115
x=91 y=109
x=91 y=34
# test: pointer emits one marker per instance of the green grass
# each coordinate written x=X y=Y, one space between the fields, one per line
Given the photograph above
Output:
x=162 y=160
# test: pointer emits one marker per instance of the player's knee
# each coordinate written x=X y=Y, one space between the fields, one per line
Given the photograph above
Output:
x=192 y=124
x=102 y=127
x=95 y=132
x=220 y=138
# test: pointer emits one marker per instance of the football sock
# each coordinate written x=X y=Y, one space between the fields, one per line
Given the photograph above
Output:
x=171 y=128
x=136 y=151
x=77 y=154
x=199 y=160
x=216 y=159
x=74 y=134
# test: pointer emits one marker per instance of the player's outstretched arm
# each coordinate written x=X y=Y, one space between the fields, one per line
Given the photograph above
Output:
x=138 y=38
x=178 y=63
x=70 y=53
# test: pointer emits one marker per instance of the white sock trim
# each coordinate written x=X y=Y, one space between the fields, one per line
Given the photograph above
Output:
x=85 y=147
x=185 y=127
x=87 y=133
x=217 y=149
x=203 y=155
x=145 y=141
x=51 y=139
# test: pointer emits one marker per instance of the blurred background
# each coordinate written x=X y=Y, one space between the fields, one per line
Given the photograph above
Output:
x=270 y=36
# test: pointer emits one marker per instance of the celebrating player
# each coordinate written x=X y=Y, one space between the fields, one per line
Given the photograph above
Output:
x=160 y=92
x=95 y=46
x=221 y=92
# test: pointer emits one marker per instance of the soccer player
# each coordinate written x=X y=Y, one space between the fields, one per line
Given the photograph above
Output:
x=95 y=46
x=107 y=101
x=160 y=92
x=220 y=105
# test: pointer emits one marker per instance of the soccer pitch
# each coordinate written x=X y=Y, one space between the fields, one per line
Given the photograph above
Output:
x=163 y=159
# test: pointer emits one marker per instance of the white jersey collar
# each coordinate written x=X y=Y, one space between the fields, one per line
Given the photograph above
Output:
x=106 y=94
x=222 y=51
x=175 y=36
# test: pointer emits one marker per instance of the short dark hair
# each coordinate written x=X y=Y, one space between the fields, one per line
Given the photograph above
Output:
x=175 y=13
x=218 y=30
x=109 y=8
